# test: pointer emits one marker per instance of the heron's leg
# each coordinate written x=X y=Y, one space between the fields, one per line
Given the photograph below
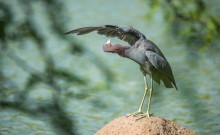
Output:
x=145 y=93
x=147 y=114
x=142 y=101
x=149 y=100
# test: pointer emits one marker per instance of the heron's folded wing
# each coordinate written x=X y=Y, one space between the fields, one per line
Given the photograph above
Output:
x=157 y=61
x=161 y=65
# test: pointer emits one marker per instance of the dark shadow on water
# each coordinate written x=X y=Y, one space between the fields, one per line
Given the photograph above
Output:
x=16 y=34
x=59 y=120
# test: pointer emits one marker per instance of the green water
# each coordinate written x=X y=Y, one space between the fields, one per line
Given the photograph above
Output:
x=196 y=105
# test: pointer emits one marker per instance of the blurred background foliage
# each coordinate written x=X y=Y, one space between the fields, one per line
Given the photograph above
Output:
x=51 y=83
x=196 y=22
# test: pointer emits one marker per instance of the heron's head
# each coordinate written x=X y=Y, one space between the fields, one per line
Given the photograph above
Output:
x=119 y=49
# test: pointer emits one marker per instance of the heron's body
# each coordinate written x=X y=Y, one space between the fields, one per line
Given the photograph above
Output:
x=141 y=50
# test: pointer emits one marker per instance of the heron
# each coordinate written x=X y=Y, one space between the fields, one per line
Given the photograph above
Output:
x=142 y=51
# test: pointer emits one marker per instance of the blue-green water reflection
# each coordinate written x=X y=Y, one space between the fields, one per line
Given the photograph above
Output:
x=196 y=105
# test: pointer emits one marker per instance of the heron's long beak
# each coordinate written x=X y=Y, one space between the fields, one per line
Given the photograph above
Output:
x=107 y=47
x=108 y=41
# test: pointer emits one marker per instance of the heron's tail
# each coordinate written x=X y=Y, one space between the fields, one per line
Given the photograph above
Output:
x=169 y=83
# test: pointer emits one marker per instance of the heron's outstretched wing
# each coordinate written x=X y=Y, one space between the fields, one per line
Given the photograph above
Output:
x=161 y=64
x=127 y=34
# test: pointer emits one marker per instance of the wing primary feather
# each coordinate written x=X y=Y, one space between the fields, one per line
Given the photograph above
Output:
x=127 y=34
x=82 y=31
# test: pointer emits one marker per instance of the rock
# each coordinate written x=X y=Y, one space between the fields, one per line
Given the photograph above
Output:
x=130 y=125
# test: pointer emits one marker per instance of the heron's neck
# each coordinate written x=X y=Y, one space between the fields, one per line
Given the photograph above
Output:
x=135 y=54
x=119 y=49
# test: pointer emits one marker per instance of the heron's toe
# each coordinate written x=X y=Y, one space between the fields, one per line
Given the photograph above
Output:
x=135 y=114
x=143 y=115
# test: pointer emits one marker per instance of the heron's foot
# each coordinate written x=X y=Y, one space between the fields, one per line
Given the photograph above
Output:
x=143 y=115
x=135 y=113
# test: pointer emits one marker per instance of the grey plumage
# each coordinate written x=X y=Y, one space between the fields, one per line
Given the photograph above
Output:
x=127 y=34
x=142 y=51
